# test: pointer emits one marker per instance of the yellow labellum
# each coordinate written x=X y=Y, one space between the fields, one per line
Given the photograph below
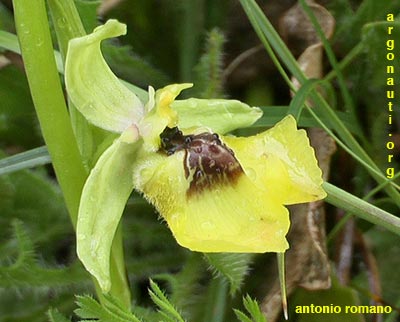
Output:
x=230 y=210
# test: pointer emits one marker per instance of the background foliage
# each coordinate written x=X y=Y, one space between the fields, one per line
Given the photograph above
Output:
x=196 y=41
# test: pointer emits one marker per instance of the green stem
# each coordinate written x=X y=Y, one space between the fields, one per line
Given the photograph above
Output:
x=38 y=55
x=68 y=25
x=37 y=52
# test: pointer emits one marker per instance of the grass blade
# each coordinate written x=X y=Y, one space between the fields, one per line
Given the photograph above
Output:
x=28 y=159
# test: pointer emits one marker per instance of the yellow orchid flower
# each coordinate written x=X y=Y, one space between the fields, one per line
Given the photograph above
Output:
x=226 y=194
x=217 y=193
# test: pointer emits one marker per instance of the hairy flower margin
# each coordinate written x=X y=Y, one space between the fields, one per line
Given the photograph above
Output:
x=217 y=193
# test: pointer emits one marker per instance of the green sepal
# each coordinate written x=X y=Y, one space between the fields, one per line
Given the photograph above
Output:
x=104 y=196
x=219 y=115
x=93 y=88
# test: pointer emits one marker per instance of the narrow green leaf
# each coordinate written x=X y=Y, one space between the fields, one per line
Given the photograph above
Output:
x=68 y=25
x=274 y=114
x=28 y=159
x=9 y=41
x=361 y=208
x=271 y=38
x=349 y=105
x=66 y=21
x=266 y=31
x=298 y=102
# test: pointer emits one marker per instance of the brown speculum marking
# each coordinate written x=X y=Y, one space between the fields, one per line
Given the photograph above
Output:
x=208 y=161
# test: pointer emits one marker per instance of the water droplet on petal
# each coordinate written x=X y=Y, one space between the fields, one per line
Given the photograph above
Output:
x=251 y=173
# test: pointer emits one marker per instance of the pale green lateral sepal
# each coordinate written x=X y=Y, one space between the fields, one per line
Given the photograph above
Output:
x=104 y=196
x=219 y=115
x=93 y=88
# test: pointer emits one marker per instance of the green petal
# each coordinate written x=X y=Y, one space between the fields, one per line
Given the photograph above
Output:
x=103 y=200
x=92 y=86
x=219 y=115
